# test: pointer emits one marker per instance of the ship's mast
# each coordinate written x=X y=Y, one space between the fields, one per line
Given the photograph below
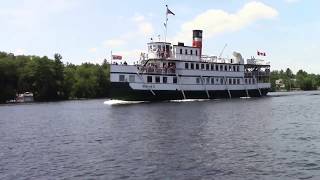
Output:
x=168 y=11
x=166 y=25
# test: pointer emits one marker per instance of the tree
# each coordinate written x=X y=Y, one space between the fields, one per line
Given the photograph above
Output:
x=57 y=57
x=289 y=73
x=59 y=76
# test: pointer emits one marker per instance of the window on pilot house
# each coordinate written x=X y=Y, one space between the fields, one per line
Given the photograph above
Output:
x=132 y=78
x=212 y=80
x=230 y=81
x=197 y=66
x=221 y=81
x=175 y=80
x=191 y=52
x=186 y=51
x=221 y=67
x=186 y=65
x=157 y=79
x=192 y=66
x=198 y=80
x=234 y=81
x=208 y=80
x=217 y=67
x=180 y=51
x=196 y=52
x=202 y=66
x=225 y=68
x=238 y=69
x=212 y=67
x=238 y=81
x=149 y=79
x=164 y=80
x=121 y=78
x=207 y=67
x=217 y=80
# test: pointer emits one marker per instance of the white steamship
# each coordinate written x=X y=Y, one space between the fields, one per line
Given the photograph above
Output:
x=173 y=72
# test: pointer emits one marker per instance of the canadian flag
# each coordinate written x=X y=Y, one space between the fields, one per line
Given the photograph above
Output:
x=116 y=57
x=261 y=53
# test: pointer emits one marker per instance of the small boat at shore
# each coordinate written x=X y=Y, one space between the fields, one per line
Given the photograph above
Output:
x=26 y=97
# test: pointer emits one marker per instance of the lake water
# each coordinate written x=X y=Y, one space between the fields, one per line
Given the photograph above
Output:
x=276 y=137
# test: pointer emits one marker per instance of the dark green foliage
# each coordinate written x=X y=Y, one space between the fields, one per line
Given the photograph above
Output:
x=51 y=80
x=302 y=80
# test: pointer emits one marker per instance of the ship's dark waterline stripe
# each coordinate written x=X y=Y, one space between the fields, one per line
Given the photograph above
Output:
x=122 y=91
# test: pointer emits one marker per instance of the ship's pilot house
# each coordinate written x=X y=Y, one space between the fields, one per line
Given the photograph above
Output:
x=163 y=50
x=163 y=56
x=159 y=50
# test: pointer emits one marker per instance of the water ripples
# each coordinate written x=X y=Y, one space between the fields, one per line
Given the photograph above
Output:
x=276 y=137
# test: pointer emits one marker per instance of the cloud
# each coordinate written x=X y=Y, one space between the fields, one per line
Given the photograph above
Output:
x=20 y=51
x=138 y=18
x=215 y=22
x=143 y=28
x=114 y=43
x=292 y=1
x=93 y=50
x=146 y=28
x=30 y=13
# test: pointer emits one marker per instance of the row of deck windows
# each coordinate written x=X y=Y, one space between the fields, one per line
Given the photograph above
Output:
x=122 y=78
x=161 y=79
x=212 y=67
x=199 y=80
x=186 y=52
x=150 y=79
x=219 y=81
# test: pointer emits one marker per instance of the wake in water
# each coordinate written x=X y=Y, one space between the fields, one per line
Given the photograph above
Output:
x=119 y=102
x=189 y=100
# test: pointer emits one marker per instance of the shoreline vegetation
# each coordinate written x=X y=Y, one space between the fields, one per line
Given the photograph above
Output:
x=53 y=80
x=50 y=79
x=288 y=81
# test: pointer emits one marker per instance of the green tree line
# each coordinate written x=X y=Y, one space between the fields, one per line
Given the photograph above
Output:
x=50 y=79
x=301 y=80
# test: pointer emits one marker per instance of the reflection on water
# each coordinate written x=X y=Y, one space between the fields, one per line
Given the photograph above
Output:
x=275 y=137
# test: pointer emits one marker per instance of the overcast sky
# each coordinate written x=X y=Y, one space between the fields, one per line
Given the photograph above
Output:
x=87 y=30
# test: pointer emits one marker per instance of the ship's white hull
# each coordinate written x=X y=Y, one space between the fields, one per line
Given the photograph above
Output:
x=128 y=84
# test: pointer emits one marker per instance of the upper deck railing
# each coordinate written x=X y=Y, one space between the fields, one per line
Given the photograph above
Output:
x=205 y=58
x=215 y=59
x=257 y=73
x=156 y=70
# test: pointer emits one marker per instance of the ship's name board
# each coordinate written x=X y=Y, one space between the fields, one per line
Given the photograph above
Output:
x=148 y=86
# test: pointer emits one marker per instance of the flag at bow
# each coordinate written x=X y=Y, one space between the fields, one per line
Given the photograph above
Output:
x=169 y=11
x=116 y=57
